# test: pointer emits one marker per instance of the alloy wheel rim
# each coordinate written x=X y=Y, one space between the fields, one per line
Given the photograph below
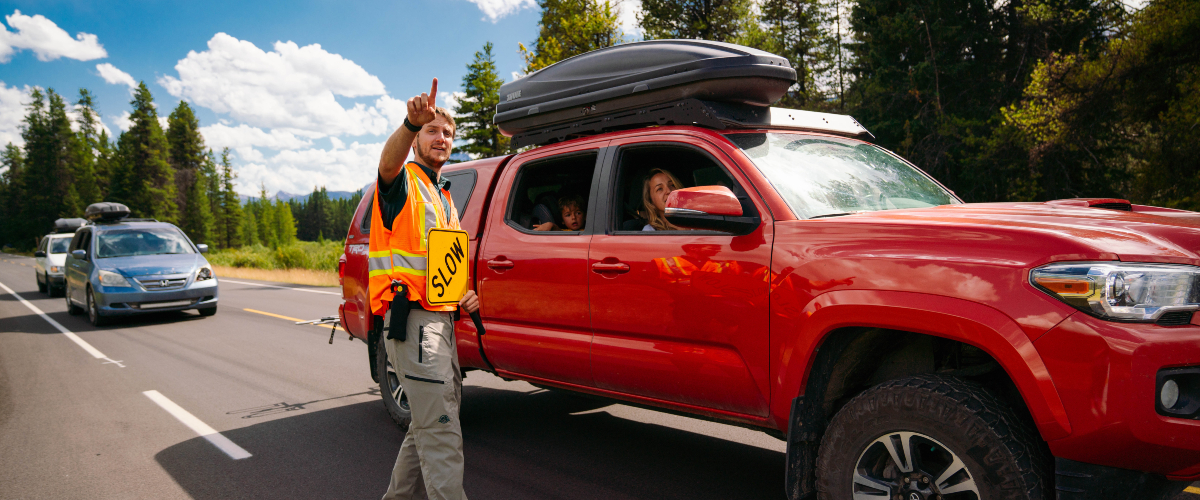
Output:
x=394 y=386
x=911 y=466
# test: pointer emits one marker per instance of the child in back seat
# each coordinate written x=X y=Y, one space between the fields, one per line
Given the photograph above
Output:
x=571 y=214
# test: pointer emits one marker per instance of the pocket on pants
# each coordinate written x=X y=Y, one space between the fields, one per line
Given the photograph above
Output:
x=427 y=349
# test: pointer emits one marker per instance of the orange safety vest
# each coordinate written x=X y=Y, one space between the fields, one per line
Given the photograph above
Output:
x=400 y=253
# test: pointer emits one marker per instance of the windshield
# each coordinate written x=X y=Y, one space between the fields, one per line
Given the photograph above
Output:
x=59 y=245
x=822 y=176
x=147 y=241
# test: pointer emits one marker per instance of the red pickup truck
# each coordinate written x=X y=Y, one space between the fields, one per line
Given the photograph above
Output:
x=905 y=344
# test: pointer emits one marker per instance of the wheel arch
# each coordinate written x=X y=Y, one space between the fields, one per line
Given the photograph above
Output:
x=861 y=338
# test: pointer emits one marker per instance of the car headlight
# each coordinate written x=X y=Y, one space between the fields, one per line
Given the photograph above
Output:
x=205 y=273
x=109 y=278
x=55 y=269
x=1120 y=291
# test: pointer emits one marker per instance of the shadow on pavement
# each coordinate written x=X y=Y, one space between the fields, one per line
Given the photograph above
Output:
x=543 y=445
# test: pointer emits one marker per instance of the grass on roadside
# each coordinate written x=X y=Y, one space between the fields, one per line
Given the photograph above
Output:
x=294 y=276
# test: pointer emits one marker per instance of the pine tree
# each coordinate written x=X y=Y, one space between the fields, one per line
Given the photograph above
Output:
x=285 y=225
x=800 y=31
x=188 y=159
x=46 y=176
x=249 y=226
x=572 y=27
x=231 y=222
x=264 y=212
x=11 y=194
x=474 y=113
x=85 y=150
x=718 y=20
x=144 y=179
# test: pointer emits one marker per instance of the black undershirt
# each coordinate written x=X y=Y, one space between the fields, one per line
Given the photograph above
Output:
x=393 y=197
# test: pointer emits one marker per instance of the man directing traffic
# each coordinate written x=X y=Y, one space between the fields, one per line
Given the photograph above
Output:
x=411 y=199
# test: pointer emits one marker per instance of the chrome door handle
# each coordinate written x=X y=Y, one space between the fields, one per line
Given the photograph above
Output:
x=607 y=267
x=500 y=263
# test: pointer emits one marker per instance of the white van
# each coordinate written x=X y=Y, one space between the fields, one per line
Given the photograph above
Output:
x=51 y=256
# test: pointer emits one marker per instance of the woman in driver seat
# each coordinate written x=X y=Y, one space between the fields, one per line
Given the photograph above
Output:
x=658 y=184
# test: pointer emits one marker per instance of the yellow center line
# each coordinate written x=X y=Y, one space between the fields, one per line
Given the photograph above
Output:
x=280 y=316
x=1193 y=490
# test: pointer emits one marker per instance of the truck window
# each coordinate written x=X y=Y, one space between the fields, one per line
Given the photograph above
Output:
x=543 y=185
x=365 y=224
x=691 y=166
x=462 y=184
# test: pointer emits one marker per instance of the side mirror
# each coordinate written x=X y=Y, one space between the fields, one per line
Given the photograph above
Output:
x=39 y=253
x=708 y=207
x=202 y=247
x=79 y=254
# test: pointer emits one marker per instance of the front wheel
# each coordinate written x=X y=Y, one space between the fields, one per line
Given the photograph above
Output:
x=394 y=398
x=931 y=437
x=93 y=310
x=43 y=285
x=207 y=311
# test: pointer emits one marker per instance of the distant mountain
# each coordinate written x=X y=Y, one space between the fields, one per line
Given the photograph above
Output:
x=285 y=196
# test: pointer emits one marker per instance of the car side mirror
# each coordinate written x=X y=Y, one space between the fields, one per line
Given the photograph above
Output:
x=202 y=247
x=39 y=253
x=79 y=254
x=708 y=207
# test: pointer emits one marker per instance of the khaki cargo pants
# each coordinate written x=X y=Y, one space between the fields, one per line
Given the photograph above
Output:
x=430 y=463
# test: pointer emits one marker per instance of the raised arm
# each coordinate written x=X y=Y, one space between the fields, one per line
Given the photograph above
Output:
x=395 y=150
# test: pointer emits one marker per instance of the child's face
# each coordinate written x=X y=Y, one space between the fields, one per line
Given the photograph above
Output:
x=572 y=217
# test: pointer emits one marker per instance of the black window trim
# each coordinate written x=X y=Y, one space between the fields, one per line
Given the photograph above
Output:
x=470 y=190
x=612 y=171
x=601 y=154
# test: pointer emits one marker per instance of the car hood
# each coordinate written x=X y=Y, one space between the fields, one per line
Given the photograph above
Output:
x=1057 y=232
x=153 y=265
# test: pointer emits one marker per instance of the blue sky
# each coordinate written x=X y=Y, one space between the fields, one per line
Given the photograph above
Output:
x=304 y=92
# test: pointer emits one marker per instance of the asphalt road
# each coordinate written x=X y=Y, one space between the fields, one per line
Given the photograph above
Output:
x=77 y=426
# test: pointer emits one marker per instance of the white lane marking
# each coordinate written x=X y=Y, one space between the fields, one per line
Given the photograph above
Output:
x=71 y=335
x=277 y=286
x=113 y=361
x=216 y=438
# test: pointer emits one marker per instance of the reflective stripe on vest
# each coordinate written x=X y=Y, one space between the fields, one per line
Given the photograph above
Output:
x=400 y=253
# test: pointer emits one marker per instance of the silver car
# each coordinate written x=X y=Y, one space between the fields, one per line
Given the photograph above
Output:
x=48 y=262
x=128 y=267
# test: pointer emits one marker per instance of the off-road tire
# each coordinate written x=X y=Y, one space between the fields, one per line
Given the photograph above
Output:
x=387 y=380
x=43 y=286
x=72 y=309
x=207 y=311
x=1001 y=451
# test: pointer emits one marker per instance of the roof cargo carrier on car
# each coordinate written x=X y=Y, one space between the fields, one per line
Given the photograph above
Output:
x=68 y=225
x=661 y=82
x=106 y=212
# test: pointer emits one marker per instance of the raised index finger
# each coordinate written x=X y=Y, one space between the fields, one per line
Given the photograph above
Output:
x=433 y=94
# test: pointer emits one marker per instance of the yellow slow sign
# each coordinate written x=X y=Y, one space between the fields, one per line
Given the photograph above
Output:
x=447 y=270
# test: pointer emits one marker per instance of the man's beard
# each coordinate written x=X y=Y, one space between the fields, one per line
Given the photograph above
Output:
x=425 y=154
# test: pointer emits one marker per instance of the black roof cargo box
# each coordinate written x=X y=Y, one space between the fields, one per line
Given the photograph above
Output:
x=640 y=74
x=68 y=225
x=106 y=211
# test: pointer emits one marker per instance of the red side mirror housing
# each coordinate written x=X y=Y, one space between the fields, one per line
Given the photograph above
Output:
x=708 y=207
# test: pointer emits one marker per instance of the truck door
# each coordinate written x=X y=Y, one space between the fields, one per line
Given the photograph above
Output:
x=533 y=278
x=679 y=316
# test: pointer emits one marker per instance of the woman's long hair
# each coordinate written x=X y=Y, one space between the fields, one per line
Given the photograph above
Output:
x=653 y=217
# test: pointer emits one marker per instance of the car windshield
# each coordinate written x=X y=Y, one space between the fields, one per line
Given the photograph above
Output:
x=825 y=176
x=59 y=245
x=142 y=241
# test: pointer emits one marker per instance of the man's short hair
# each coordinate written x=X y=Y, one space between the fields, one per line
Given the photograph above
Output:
x=445 y=113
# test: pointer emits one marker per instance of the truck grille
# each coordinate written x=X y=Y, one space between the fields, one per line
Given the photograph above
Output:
x=162 y=284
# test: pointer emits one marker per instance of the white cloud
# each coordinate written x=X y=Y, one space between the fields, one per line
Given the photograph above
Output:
x=343 y=168
x=12 y=112
x=115 y=76
x=292 y=88
x=629 y=10
x=46 y=39
x=122 y=121
x=220 y=136
x=164 y=123
x=493 y=10
x=450 y=100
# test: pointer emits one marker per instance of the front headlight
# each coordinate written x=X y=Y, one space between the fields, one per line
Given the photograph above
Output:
x=205 y=273
x=1120 y=291
x=109 y=278
x=55 y=269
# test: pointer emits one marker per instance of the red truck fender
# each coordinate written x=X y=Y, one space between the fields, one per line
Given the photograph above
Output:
x=956 y=319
